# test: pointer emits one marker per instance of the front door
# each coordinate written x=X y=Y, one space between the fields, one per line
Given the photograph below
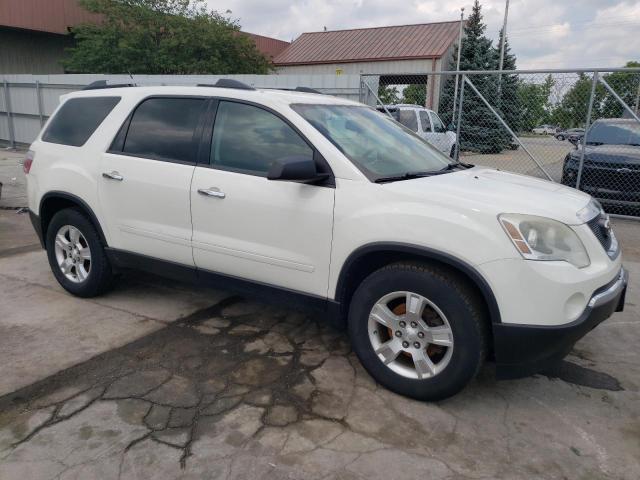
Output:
x=245 y=225
x=146 y=177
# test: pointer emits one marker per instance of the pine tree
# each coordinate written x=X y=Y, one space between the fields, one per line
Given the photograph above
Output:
x=480 y=130
x=509 y=101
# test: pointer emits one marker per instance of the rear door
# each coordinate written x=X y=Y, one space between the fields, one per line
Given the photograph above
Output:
x=438 y=136
x=244 y=225
x=146 y=177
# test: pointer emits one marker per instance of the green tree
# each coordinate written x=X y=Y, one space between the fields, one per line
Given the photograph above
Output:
x=480 y=130
x=534 y=102
x=508 y=98
x=161 y=37
x=388 y=95
x=626 y=85
x=415 y=94
x=572 y=110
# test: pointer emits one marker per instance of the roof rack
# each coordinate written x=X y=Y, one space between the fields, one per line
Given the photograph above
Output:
x=228 y=83
x=308 y=90
x=297 y=89
x=100 y=84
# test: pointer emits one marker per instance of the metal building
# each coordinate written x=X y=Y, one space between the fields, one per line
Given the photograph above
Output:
x=388 y=51
x=35 y=33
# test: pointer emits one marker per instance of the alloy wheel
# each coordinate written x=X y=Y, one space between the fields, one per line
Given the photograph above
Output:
x=410 y=335
x=73 y=253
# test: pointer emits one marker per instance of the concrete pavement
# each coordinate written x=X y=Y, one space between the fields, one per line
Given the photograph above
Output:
x=160 y=379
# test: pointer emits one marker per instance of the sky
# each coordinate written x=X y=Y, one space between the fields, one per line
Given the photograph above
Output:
x=542 y=33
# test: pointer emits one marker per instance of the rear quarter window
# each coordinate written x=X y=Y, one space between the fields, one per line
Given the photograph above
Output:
x=77 y=119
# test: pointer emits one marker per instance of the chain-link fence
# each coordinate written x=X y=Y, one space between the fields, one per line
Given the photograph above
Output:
x=578 y=128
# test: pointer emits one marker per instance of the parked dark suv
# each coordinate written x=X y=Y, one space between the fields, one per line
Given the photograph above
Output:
x=611 y=171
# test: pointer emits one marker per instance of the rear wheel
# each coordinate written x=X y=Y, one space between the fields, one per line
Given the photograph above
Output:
x=76 y=254
x=418 y=330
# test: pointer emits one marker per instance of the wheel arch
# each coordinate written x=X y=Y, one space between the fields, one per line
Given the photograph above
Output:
x=54 y=201
x=368 y=258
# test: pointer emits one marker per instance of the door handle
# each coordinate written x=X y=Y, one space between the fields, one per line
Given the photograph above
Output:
x=211 y=192
x=113 y=176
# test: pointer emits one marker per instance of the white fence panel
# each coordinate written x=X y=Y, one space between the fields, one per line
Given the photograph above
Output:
x=27 y=112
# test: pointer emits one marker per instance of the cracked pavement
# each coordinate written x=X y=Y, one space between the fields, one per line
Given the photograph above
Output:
x=164 y=380
x=244 y=390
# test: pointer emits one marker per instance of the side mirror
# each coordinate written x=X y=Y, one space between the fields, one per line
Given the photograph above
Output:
x=296 y=168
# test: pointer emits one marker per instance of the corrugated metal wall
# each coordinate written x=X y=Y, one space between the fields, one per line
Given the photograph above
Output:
x=26 y=101
x=23 y=51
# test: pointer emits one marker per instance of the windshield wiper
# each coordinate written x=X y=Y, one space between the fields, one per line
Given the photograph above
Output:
x=453 y=165
x=422 y=173
x=408 y=176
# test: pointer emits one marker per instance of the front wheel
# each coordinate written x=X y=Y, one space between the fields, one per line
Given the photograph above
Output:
x=76 y=254
x=452 y=153
x=418 y=330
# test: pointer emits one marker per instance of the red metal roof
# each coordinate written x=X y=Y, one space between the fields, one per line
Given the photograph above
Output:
x=54 y=16
x=428 y=40
x=270 y=47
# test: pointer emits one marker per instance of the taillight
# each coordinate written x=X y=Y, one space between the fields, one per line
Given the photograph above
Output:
x=28 y=161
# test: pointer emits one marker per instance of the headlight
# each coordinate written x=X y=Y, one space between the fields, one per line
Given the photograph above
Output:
x=593 y=209
x=540 y=238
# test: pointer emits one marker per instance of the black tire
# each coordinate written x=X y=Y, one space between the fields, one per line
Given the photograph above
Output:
x=459 y=303
x=100 y=277
x=560 y=137
x=452 y=153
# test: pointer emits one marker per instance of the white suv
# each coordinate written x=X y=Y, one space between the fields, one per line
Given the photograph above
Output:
x=426 y=123
x=433 y=265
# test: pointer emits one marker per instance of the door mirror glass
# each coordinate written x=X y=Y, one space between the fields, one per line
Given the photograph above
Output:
x=575 y=139
x=295 y=168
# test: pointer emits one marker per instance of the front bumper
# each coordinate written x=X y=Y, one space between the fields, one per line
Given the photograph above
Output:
x=522 y=350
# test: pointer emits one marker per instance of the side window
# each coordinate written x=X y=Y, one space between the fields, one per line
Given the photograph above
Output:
x=424 y=120
x=248 y=139
x=165 y=129
x=408 y=119
x=77 y=119
x=438 y=126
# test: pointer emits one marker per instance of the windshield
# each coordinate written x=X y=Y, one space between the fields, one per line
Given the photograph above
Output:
x=614 y=133
x=377 y=146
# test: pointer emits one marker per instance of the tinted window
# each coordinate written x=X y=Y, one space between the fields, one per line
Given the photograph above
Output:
x=408 y=119
x=424 y=120
x=438 y=126
x=614 y=133
x=77 y=119
x=165 y=129
x=249 y=139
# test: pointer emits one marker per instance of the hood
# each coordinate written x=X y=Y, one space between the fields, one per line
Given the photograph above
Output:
x=491 y=192
x=629 y=154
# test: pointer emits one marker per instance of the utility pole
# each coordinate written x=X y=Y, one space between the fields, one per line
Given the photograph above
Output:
x=455 y=89
x=502 y=43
